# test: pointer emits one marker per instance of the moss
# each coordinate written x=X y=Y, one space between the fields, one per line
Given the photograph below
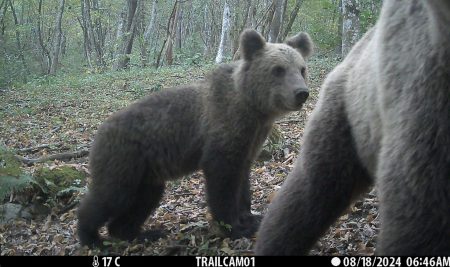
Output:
x=55 y=180
x=9 y=165
x=12 y=177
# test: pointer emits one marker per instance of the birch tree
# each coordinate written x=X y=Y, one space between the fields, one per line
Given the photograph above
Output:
x=225 y=32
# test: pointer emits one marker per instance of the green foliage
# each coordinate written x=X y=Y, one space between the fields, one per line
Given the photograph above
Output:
x=59 y=181
x=225 y=226
x=12 y=178
x=8 y=184
x=200 y=31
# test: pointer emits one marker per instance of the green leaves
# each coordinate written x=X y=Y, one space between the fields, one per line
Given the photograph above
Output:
x=12 y=178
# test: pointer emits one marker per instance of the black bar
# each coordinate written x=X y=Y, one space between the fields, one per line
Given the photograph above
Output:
x=223 y=261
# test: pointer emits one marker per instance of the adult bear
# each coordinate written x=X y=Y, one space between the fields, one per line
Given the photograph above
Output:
x=383 y=118
x=217 y=125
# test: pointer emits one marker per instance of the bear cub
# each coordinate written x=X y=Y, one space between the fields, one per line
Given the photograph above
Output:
x=217 y=125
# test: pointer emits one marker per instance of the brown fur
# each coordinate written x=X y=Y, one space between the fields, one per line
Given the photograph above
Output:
x=217 y=125
x=383 y=118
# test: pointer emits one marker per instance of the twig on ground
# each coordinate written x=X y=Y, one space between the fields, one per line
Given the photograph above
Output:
x=60 y=156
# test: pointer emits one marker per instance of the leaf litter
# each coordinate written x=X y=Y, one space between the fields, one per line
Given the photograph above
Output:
x=66 y=118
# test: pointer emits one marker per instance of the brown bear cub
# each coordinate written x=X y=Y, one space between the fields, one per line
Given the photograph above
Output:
x=217 y=125
x=383 y=118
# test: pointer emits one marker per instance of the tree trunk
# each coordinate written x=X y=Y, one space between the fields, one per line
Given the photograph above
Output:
x=246 y=21
x=292 y=18
x=179 y=28
x=148 y=34
x=84 y=27
x=283 y=21
x=350 y=25
x=338 y=49
x=172 y=35
x=93 y=32
x=19 y=45
x=225 y=32
x=266 y=20
x=275 y=26
x=4 y=6
x=2 y=17
x=206 y=36
x=45 y=53
x=169 y=32
x=189 y=22
x=121 y=25
x=57 y=38
x=127 y=38
x=253 y=11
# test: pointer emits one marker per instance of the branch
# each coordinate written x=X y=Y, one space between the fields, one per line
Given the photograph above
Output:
x=290 y=120
x=69 y=207
x=60 y=156
x=29 y=149
x=168 y=32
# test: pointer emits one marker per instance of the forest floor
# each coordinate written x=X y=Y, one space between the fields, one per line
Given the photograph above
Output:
x=64 y=113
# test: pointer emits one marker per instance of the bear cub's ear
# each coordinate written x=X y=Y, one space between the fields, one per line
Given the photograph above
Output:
x=302 y=42
x=251 y=42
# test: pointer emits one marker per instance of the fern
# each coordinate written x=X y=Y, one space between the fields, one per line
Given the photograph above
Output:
x=12 y=177
x=11 y=183
x=71 y=190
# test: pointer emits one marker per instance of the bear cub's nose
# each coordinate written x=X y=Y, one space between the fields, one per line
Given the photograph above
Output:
x=301 y=94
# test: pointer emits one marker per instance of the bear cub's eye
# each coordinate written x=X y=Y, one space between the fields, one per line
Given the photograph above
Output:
x=303 y=71
x=278 y=71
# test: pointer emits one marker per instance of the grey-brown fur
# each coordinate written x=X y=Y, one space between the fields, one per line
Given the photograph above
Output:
x=383 y=117
x=217 y=125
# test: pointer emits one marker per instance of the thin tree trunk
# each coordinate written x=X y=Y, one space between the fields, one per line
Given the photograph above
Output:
x=57 y=40
x=253 y=11
x=86 y=47
x=189 y=25
x=283 y=20
x=46 y=57
x=100 y=35
x=246 y=23
x=4 y=5
x=19 y=45
x=126 y=45
x=93 y=32
x=122 y=24
x=206 y=37
x=84 y=28
x=5 y=9
x=172 y=36
x=350 y=25
x=225 y=32
x=169 y=29
x=148 y=34
x=275 y=25
x=179 y=28
x=63 y=45
x=292 y=18
x=268 y=20
x=339 y=47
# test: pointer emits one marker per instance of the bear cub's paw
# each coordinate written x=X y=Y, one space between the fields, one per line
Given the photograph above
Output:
x=247 y=226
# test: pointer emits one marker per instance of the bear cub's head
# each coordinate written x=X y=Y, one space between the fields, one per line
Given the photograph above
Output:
x=274 y=75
